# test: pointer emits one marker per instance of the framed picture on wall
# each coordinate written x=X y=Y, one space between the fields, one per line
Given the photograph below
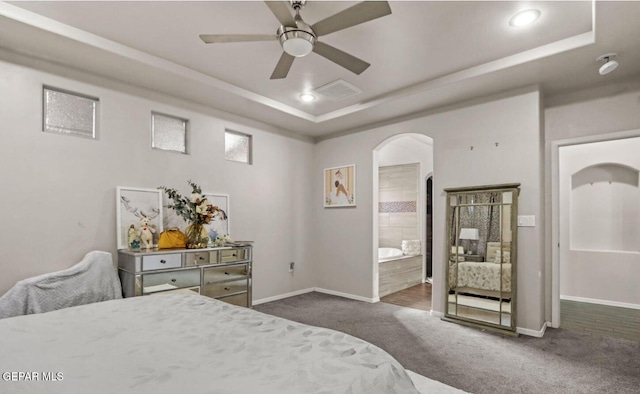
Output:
x=134 y=204
x=340 y=186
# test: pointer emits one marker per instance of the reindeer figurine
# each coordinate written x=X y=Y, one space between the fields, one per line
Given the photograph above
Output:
x=146 y=228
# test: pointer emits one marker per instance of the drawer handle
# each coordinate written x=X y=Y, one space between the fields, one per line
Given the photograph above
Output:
x=163 y=261
x=227 y=289
x=173 y=280
x=226 y=273
x=200 y=258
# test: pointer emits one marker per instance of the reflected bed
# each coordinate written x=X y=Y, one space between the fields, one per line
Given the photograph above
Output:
x=491 y=277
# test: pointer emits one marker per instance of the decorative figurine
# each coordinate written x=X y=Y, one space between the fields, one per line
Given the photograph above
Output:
x=146 y=232
x=132 y=233
x=212 y=237
x=220 y=240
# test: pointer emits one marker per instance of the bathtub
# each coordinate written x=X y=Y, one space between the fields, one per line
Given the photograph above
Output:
x=388 y=254
x=397 y=271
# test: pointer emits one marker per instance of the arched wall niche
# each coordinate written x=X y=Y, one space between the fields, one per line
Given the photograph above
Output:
x=605 y=208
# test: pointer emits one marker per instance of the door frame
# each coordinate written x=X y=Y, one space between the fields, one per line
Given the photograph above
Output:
x=554 y=244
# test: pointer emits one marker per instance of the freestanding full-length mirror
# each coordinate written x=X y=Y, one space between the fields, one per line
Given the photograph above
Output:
x=482 y=255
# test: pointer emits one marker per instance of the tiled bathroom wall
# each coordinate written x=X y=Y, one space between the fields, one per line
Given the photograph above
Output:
x=397 y=208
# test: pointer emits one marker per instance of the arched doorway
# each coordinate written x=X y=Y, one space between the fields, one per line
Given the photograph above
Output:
x=401 y=166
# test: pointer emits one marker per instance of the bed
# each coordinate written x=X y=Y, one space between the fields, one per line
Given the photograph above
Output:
x=186 y=343
x=491 y=277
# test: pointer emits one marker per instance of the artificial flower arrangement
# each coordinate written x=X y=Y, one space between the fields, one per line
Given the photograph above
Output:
x=197 y=211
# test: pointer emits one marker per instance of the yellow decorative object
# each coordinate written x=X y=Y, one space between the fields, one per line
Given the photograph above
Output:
x=172 y=238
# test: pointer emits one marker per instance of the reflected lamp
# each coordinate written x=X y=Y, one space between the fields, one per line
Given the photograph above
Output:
x=470 y=234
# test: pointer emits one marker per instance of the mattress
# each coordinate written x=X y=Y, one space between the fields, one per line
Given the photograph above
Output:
x=186 y=343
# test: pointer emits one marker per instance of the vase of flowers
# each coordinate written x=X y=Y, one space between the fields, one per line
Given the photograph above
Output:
x=195 y=210
x=196 y=236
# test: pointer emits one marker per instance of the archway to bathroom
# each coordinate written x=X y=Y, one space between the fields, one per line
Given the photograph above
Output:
x=402 y=174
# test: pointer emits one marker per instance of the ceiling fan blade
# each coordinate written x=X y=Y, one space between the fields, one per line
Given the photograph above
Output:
x=359 y=13
x=283 y=66
x=341 y=58
x=282 y=11
x=223 y=38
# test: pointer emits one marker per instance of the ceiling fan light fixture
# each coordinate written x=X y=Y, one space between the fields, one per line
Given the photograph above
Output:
x=296 y=42
x=524 y=18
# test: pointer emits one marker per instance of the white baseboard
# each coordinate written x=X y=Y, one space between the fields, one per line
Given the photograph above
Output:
x=532 y=333
x=436 y=313
x=600 y=302
x=319 y=290
x=347 y=295
x=282 y=296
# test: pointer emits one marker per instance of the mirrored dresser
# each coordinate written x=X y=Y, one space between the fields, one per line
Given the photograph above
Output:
x=222 y=273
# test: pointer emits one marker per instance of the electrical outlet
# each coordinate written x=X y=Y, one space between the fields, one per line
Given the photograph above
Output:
x=291 y=266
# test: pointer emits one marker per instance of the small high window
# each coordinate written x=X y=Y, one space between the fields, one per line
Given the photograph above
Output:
x=69 y=113
x=168 y=133
x=237 y=147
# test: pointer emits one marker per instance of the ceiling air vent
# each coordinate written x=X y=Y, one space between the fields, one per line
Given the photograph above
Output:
x=338 y=90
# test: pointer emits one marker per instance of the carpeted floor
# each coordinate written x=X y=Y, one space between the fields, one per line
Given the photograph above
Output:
x=473 y=360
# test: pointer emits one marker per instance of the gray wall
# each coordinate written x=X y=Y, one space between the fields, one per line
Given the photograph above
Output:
x=58 y=199
x=58 y=192
x=599 y=220
x=343 y=250
x=607 y=112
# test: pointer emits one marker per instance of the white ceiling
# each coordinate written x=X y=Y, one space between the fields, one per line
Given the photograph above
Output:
x=423 y=56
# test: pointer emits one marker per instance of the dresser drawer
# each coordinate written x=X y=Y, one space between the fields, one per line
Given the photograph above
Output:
x=200 y=258
x=224 y=288
x=161 y=261
x=231 y=255
x=217 y=274
x=170 y=280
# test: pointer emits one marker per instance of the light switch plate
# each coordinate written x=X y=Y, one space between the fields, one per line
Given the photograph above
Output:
x=526 y=221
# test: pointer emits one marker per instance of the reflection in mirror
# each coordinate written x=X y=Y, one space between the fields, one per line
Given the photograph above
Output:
x=481 y=248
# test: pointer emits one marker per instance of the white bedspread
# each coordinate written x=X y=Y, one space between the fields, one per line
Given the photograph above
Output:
x=189 y=344
x=483 y=276
x=93 y=279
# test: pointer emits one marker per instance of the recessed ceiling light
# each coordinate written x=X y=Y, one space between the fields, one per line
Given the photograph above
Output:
x=307 y=97
x=524 y=18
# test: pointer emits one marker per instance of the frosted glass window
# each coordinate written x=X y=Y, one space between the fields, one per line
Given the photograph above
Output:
x=237 y=147
x=69 y=113
x=168 y=133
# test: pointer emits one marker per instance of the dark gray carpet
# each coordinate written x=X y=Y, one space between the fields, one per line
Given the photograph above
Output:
x=474 y=360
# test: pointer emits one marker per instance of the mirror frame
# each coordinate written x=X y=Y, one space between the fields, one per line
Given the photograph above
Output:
x=515 y=189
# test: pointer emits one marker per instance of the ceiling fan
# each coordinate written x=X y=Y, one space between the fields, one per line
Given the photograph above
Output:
x=298 y=39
